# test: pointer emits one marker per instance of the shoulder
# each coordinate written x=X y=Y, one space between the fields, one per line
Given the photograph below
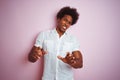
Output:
x=45 y=32
x=71 y=37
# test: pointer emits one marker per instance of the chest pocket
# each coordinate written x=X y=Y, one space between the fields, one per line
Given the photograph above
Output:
x=67 y=47
x=48 y=45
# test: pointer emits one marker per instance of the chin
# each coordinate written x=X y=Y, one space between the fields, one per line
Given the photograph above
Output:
x=63 y=31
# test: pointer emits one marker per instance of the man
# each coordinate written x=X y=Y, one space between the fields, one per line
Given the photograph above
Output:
x=59 y=48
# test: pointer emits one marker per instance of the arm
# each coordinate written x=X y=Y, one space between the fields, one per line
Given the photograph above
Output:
x=37 y=51
x=75 y=59
x=35 y=54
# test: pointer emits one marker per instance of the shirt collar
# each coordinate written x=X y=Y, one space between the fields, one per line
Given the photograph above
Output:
x=54 y=30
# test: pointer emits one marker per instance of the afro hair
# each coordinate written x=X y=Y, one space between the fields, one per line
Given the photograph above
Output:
x=68 y=11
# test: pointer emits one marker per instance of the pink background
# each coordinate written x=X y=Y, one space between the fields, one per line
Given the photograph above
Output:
x=98 y=31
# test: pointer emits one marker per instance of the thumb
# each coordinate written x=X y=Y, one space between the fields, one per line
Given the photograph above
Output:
x=59 y=57
x=62 y=59
x=43 y=51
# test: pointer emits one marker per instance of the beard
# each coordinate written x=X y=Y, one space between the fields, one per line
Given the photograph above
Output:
x=60 y=29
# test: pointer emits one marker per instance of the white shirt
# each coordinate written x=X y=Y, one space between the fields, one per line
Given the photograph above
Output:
x=55 y=69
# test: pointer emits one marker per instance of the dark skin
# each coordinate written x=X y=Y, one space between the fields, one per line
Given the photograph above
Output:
x=35 y=54
x=74 y=59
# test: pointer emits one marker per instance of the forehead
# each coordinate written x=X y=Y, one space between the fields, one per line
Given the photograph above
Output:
x=68 y=17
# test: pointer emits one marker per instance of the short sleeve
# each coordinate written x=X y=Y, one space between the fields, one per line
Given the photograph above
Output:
x=39 y=40
x=76 y=44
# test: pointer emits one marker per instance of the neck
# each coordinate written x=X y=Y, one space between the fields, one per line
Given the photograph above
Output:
x=59 y=32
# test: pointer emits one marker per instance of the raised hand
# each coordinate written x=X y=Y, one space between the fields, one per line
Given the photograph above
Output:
x=36 y=53
x=69 y=58
x=74 y=59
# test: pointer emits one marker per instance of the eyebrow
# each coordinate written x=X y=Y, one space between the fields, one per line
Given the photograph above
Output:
x=70 y=22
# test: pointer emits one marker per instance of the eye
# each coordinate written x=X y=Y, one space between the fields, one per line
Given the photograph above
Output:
x=65 y=19
x=70 y=23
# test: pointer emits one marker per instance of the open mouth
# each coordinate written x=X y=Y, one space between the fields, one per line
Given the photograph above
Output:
x=64 y=27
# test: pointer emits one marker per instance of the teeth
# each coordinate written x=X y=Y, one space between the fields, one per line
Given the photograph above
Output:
x=64 y=27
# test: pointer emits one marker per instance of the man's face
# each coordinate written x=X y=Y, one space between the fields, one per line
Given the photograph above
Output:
x=64 y=23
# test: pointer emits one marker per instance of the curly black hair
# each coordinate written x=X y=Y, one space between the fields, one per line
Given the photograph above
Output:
x=68 y=11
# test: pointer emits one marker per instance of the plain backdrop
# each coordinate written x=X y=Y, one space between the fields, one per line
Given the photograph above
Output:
x=98 y=31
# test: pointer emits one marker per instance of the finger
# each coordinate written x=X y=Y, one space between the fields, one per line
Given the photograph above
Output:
x=68 y=53
x=73 y=58
x=36 y=57
x=70 y=57
x=59 y=57
x=44 y=52
x=63 y=59
x=73 y=61
x=39 y=54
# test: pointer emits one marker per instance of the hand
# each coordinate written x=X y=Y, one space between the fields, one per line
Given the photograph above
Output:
x=69 y=59
x=39 y=53
x=36 y=53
